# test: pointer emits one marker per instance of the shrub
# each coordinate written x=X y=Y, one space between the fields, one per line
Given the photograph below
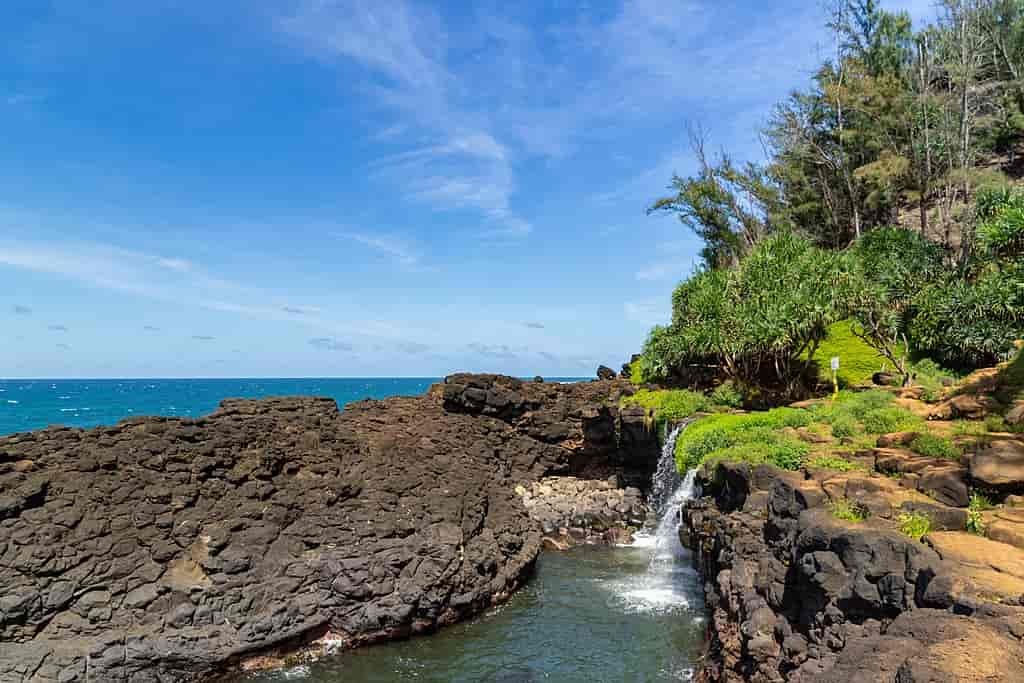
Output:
x=638 y=371
x=916 y=525
x=727 y=394
x=892 y=419
x=784 y=454
x=893 y=265
x=1000 y=212
x=972 y=428
x=848 y=510
x=852 y=404
x=935 y=446
x=668 y=404
x=971 y=322
x=834 y=462
x=844 y=426
x=728 y=434
x=761 y=321
x=932 y=377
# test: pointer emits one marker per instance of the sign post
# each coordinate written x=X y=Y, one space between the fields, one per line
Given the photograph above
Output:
x=835 y=377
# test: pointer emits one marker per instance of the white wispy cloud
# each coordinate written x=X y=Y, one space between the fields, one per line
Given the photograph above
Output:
x=405 y=50
x=399 y=249
x=148 y=276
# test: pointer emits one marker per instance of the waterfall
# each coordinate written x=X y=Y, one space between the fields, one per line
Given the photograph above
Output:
x=668 y=582
x=669 y=492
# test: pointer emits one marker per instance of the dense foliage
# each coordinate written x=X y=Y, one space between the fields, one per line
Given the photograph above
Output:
x=760 y=321
x=882 y=203
x=896 y=126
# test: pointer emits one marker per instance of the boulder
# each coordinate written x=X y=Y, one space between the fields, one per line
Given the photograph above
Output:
x=964 y=406
x=606 y=373
x=999 y=466
x=896 y=439
x=884 y=379
x=946 y=483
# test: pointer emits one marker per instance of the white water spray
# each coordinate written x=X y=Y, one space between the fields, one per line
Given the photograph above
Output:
x=667 y=583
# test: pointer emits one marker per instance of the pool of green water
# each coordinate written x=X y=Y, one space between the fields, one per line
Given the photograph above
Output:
x=593 y=614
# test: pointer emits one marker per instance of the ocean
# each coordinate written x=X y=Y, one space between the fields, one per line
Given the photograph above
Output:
x=34 y=404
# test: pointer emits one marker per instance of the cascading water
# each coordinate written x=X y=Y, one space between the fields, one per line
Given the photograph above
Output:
x=669 y=581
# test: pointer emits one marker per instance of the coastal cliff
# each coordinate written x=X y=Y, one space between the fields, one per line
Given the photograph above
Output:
x=172 y=549
x=797 y=594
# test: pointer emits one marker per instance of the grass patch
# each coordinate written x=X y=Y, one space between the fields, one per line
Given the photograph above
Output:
x=969 y=428
x=865 y=412
x=848 y=510
x=935 y=446
x=857 y=360
x=834 y=462
x=668 y=404
x=916 y=525
x=727 y=436
x=892 y=419
x=997 y=425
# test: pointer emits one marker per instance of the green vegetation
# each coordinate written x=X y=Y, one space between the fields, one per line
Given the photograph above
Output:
x=848 y=510
x=866 y=412
x=969 y=428
x=935 y=446
x=803 y=259
x=916 y=525
x=833 y=462
x=638 y=372
x=752 y=437
x=858 y=361
x=975 y=520
x=669 y=404
x=760 y=322
x=727 y=394
x=770 y=436
x=932 y=377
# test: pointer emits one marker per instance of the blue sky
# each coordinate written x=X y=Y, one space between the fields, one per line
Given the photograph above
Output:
x=320 y=188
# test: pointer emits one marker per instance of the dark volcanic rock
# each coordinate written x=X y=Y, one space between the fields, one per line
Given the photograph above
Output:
x=167 y=549
x=605 y=372
x=796 y=594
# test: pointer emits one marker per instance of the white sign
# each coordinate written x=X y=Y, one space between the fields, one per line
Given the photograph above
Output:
x=835 y=363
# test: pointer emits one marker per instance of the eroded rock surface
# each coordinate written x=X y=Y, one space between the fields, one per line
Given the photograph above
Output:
x=796 y=594
x=168 y=549
x=574 y=511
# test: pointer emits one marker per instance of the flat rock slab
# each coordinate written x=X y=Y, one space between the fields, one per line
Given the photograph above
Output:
x=975 y=551
x=999 y=466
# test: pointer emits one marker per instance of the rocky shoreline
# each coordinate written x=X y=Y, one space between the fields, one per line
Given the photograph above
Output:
x=166 y=549
x=796 y=594
x=171 y=549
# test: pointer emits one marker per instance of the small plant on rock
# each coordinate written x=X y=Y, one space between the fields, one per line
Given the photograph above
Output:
x=848 y=510
x=916 y=525
x=935 y=447
x=975 y=520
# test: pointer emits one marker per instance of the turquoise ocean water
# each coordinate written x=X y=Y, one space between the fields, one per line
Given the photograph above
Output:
x=38 y=403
